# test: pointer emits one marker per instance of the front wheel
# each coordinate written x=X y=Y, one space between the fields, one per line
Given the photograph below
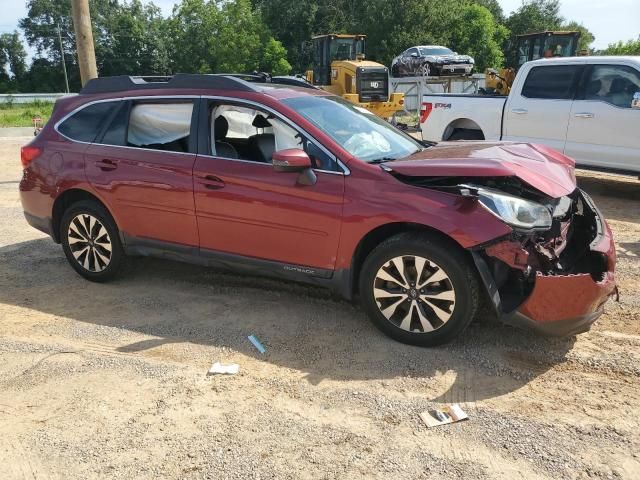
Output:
x=419 y=289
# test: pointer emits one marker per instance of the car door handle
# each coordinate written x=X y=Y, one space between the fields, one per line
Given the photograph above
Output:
x=519 y=111
x=212 y=182
x=584 y=115
x=106 y=165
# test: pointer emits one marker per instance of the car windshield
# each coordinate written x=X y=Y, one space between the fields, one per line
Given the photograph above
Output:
x=357 y=130
x=435 y=51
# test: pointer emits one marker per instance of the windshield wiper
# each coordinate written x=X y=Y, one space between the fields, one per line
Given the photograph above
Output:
x=382 y=160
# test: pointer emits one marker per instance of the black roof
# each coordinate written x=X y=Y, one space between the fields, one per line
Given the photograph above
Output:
x=240 y=82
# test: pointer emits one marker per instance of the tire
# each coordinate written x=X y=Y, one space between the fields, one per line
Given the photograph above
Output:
x=91 y=258
x=424 y=70
x=466 y=134
x=449 y=302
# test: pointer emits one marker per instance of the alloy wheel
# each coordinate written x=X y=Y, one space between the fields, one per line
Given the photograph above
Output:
x=89 y=242
x=414 y=294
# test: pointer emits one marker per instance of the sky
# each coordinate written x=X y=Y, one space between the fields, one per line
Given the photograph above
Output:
x=609 y=21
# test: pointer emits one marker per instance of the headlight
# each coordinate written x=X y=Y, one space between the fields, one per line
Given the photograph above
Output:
x=440 y=60
x=515 y=211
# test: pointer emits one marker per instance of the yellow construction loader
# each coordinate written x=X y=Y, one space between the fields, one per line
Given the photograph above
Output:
x=530 y=46
x=340 y=67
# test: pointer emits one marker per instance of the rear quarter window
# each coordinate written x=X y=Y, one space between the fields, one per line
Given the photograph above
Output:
x=556 y=82
x=85 y=124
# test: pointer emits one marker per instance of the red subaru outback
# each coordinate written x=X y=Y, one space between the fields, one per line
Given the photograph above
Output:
x=299 y=184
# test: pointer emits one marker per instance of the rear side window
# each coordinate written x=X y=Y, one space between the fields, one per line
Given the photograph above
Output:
x=160 y=126
x=85 y=124
x=116 y=133
x=556 y=82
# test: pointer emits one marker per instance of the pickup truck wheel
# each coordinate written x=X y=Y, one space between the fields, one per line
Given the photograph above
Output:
x=418 y=290
x=466 y=134
x=91 y=242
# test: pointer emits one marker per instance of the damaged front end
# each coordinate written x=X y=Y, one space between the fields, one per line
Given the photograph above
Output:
x=553 y=275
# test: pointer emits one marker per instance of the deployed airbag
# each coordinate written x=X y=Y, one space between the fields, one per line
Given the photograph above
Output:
x=159 y=123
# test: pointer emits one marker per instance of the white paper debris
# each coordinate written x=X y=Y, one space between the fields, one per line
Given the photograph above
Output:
x=224 y=369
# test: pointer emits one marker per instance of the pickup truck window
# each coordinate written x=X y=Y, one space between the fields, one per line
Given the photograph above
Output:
x=556 y=82
x=613 y=84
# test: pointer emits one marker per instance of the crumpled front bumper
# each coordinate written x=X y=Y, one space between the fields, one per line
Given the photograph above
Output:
x=562 y=305
x=568 y=304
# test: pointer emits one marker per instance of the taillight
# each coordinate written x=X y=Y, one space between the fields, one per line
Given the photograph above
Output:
x=28 y=154
x=425 y=110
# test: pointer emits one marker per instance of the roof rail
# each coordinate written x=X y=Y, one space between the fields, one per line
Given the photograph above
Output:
x=263 y=77
x=181 y=80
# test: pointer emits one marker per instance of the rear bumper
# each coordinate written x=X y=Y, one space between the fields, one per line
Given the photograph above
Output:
x=43 y=224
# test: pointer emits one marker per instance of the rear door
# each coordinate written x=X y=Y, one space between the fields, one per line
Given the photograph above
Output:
x=142 y=166
x=604 y=127
x=244 y=207
x=538 y=109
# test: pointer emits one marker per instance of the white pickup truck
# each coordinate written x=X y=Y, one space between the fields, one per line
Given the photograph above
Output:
x=586 y=107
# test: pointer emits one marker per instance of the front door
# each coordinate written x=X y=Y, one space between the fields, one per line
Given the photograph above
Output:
x=539 y=112
x=142 y=166
x=604 y=127
x=244 y=207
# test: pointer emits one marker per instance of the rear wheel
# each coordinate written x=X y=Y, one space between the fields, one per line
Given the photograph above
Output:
x=466 y=134
x=91 y=242
x=419 y=290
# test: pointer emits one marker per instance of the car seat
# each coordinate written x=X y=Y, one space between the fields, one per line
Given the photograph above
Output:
x=262 y=145
x=220 y=130
x=593 y=87
x=618 y=93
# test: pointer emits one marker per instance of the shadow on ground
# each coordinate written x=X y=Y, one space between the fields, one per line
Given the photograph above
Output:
x=304 y=328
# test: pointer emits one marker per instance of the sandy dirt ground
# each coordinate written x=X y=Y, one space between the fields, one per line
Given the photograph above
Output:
x=109 y=381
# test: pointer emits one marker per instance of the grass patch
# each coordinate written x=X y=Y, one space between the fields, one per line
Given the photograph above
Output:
x=21 y=114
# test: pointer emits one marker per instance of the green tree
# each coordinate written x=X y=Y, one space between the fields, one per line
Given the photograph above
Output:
x=586 y=37
x=209 y=36
x=630 y=47
x=535 y=16
x=128 y=36
x=480 y=36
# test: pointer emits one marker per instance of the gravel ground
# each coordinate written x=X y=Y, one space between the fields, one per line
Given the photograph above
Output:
x=109 y=381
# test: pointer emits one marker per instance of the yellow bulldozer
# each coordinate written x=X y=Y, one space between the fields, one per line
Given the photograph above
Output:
x=530 y=46
x=340 y=67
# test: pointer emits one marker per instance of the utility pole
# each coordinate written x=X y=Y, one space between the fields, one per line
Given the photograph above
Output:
x=64 y=64
x=84 y=40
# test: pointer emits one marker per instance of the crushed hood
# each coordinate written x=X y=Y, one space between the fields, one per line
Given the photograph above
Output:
x=543 y=168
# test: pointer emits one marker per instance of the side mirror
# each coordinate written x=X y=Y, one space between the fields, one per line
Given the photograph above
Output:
x=414 y=54
x=295 y=160
x=291 y=160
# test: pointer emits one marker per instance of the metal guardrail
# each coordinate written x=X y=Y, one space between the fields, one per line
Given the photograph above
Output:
x=32 y=97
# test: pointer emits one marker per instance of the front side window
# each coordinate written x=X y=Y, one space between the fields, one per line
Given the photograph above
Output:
x=85 y=124
x=244 y=133
x=160 y=126
x=613 y=84
x=555 y=82
x=355 y=129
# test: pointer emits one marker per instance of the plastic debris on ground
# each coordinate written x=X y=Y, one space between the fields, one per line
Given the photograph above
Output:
x=443 y=416
x=224 y=369
x=256 y=343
